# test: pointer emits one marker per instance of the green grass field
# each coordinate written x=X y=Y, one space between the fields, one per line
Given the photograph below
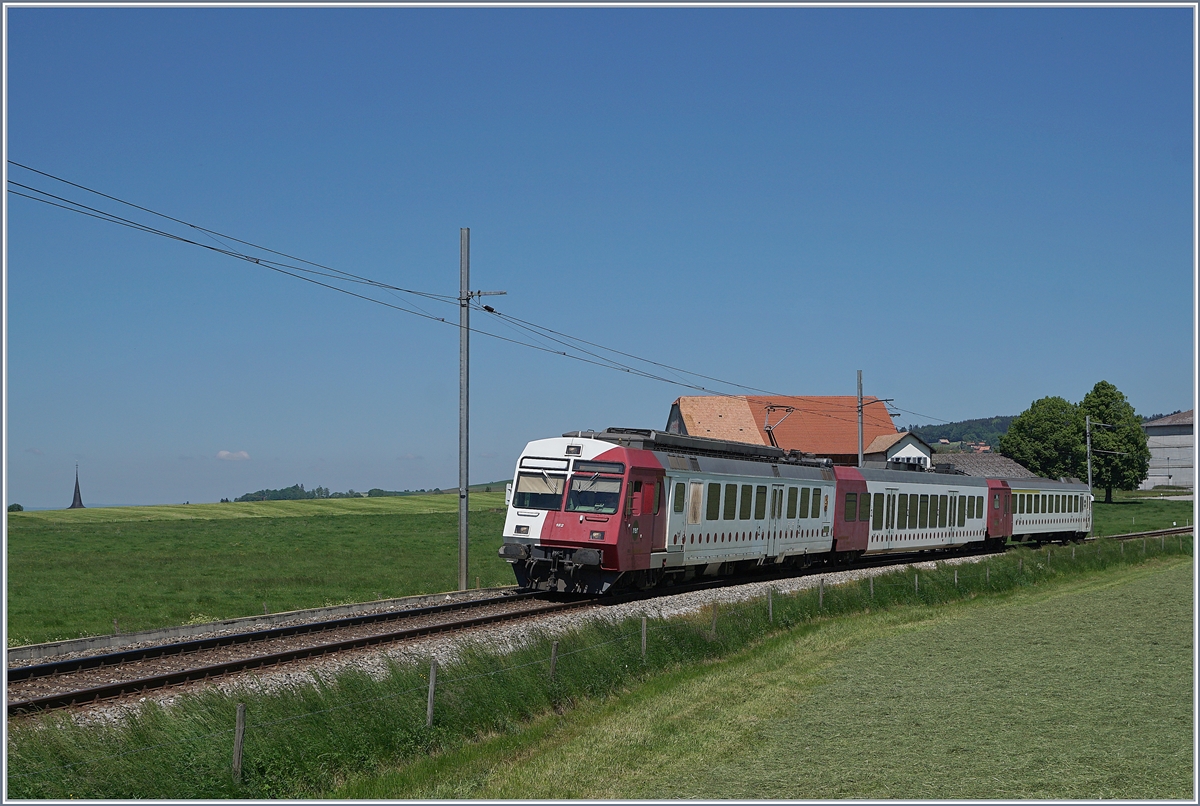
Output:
x=1079 y=690
x=70 y=573
x=1130 y=512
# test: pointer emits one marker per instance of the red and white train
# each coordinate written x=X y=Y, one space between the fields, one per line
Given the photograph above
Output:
x=589 y=512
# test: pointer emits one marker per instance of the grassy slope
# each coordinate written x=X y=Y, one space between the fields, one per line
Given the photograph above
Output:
x=72 y=573
x=1076 y=690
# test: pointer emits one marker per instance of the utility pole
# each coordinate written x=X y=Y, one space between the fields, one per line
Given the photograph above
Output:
x=860 y=415
x=464 y=375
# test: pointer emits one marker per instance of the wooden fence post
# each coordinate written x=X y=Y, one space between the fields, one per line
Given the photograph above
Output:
x=553 y=658
x=821 y=593
x=916 y=583
x=643 y=637
x=116 y=629
x=432 y=688
x=239 y=735
x=871 y=585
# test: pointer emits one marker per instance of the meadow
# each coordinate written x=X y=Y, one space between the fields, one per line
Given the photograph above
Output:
x=1138 y=512
x=71 y=572
x=1056 y=673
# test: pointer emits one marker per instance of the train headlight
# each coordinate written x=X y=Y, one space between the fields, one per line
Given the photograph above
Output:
x=522 y=530
x=596 y=536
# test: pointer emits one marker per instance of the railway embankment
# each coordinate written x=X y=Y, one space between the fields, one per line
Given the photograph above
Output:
x=307 y=740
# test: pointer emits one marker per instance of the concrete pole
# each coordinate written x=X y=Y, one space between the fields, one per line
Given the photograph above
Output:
x=464 y=359
x=860 y=418
x=1087 y=419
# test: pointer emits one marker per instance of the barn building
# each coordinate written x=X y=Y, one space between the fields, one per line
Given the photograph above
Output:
x=825 y=426
x=1172 y=450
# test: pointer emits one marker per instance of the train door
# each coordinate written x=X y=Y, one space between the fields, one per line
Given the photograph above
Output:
x=641 y=515
x=889 y=523
x=774 y=520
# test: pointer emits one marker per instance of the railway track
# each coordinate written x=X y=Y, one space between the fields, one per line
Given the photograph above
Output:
x=90 y=679
x=79 y=681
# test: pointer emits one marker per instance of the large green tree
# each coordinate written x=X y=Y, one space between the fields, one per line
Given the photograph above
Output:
x=1120 y=457
x=1047 y=438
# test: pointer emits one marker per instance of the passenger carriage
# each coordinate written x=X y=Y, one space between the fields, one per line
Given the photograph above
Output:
x=1047 y=510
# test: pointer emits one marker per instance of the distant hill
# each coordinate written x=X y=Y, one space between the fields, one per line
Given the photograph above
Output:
x=985 y=429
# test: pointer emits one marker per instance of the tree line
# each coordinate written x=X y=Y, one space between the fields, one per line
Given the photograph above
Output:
x=297 y=493
x=1050 y=439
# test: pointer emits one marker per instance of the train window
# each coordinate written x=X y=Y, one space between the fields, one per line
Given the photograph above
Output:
x=933 y=511
x=791 y=504
x=631 y=507
x=760 y=503
x=713 y=513
x=877 y=520
x=923 y=515
x=962 y=511
x=804 y=502
x=695 y=494
x=744 y=509
x=971 y=507
x=995 y=500
x=891 y=511
x=851 y=510
x=816 y=510
x=1058 y=507
x=677 y=504
x=912 y=512
x=730 y=501
x=864 y=507
x=591 y=494
x=902 y=511
x=1075 y=504
x=979 y=506
x=657 y=498
x=943 y=513
x=539 y=491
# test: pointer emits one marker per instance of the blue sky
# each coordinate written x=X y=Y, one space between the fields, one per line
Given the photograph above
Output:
x=976 y=207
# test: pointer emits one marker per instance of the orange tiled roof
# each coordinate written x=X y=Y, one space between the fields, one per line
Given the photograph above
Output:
x=824 y=425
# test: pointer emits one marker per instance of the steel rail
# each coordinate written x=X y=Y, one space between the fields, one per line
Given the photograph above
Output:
x=146 y=684
x=55 y=668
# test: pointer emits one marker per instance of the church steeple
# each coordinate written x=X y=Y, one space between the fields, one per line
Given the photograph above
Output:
x=77 y=503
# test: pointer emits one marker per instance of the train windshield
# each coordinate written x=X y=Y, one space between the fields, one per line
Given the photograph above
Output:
x=539 y=491
x=591 y=493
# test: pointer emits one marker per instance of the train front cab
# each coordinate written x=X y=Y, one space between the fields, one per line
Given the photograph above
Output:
x=596 y=518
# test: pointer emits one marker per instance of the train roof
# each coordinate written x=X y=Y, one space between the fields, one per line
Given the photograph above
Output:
x=664 y=442
x=1050 y=485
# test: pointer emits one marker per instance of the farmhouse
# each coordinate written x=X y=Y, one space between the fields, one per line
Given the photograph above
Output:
x=825 y=426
